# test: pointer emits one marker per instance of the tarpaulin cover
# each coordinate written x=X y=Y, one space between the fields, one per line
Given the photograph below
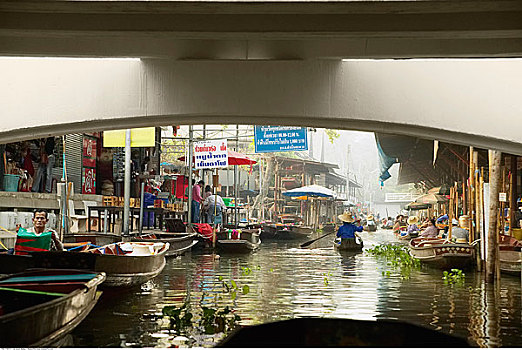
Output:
x=385 y=163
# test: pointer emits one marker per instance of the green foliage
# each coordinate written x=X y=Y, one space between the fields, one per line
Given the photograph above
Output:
x=180 y=317
x=455 y=276
x=233 y=288
x=211 y=320
x=398 y=257
x=326 y=279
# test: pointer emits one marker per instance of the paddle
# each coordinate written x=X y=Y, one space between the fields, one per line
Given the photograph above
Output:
x=306 y=244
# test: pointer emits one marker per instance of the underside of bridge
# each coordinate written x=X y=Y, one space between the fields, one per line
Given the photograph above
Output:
x=264 y=63
x=256 y=30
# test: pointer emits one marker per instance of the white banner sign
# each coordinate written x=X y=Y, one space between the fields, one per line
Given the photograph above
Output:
x=210 y=154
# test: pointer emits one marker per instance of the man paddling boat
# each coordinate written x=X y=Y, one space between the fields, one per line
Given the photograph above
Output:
x=346 y=233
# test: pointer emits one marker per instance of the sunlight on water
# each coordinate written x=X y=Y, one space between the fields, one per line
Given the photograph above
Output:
x=288 y=282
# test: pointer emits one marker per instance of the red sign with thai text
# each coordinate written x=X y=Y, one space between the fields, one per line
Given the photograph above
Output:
x=89 y=152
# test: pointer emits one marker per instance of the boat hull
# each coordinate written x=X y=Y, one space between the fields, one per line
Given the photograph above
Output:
x=179 y=243
x=510 y=255
x=285 y=232
x=45 y=324
x=438 y=253
x=330 y=333
x=121 y=270
x=348 y=245
x=510 y=262
x=248 y=241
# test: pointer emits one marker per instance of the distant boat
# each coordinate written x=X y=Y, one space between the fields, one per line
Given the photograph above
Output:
x=179 y=243
x=442 y=253
x=370 y=227
x=238 y=240
x=285 y=232
x=38 y=308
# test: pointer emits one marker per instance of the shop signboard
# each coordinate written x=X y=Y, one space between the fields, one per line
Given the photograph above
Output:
x=210 y=154
x=140 y=137
x=280 y=139
x=89 y=153
x=89 y=181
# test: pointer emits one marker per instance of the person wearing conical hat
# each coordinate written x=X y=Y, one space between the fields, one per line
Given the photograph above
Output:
x=349 y=227
x=413 y=229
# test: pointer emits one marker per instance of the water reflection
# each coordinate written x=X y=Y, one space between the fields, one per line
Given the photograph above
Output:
x=287 y=282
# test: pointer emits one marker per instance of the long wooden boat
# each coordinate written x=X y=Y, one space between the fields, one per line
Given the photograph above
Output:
x=442 y=253
x=348 y=245
x=38 y=308
x=510 y=255
x=179 y=243
x=285 y=232
x=238 y=240
x=99 y=239
x=125 y=263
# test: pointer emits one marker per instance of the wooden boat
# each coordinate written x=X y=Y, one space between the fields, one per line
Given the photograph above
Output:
x=370 y=228
x=238 y=240
x=179 y=243
x=285 y=232
x=510 y=255
x=99 y=239
x=442 y=253
x=39 y=307
x=348 y=245
x=328 y=333
x=125 y=263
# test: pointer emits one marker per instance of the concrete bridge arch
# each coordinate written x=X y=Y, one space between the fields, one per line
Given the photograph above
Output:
x=475 y=102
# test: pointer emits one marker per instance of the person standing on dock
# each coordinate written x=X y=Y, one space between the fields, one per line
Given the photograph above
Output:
x=37 y=238
x=197 y=200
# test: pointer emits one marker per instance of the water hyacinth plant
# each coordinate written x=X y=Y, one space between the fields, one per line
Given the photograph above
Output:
x=455 y=276
x=397 y=257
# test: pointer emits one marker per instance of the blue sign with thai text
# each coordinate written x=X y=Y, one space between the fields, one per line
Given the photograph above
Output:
x=280 y=139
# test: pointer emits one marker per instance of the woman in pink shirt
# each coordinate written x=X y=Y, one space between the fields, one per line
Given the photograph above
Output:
x=431 y=230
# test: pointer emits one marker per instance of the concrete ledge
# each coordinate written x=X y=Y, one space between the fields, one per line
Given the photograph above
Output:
x=49 y=201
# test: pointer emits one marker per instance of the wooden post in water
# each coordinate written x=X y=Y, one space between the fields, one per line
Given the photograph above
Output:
x=513 y=207
x=471 y=195
x=465 y=199
x=494 y=185
x=450 y=212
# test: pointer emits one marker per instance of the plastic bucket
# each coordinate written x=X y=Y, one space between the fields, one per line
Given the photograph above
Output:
x=11 y=182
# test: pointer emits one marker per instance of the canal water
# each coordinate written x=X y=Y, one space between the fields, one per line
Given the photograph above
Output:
x=281 y=281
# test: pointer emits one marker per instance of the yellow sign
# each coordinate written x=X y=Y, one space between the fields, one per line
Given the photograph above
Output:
x=141 y=137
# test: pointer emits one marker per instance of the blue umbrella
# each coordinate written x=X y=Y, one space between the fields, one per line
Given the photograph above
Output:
x=310 y=191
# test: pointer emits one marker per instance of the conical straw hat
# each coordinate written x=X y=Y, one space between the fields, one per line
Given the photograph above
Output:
x=346 y=217
x=413 y=220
